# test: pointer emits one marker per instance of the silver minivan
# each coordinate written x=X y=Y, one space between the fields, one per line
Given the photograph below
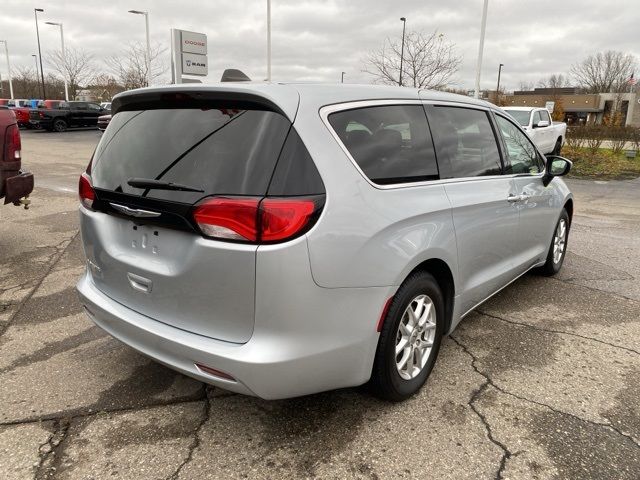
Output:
x=279 y=239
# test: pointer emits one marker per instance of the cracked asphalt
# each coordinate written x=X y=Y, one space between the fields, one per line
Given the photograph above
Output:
x=542 y=381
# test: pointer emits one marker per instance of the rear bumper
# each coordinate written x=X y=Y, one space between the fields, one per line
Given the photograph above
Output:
x=275 y=363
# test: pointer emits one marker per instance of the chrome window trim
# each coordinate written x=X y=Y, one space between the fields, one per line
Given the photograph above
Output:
x=339 y=107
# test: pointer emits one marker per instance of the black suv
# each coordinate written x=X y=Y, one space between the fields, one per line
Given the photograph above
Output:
x=67 y=115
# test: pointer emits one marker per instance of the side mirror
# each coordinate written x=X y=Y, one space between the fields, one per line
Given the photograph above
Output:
x=542 y=123
x=556 y=167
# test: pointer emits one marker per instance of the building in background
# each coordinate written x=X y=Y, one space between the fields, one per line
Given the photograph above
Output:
x=579 y=108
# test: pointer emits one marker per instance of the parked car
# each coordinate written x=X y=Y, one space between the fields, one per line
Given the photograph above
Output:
x=15 y=185
x=106 y=105
x=103 y=122
x=23 y=116
x=66 y=115
x=549 y=136
x=279 y=240
x=19 y=102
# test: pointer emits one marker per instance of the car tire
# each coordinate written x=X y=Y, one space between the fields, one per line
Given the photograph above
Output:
x=391 y=380
x=59 y=125
x=559 y=240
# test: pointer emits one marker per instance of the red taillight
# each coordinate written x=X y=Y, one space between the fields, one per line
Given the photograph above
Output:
x=85 y=191
x=282 y=218
x=12 y=145
x=254 y=219
x=228 y=218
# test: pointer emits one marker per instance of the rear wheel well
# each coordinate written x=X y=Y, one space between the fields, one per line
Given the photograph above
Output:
x=442 y=273
x=568 y=206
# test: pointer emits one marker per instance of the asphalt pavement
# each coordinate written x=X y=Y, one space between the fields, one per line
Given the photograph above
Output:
x=542 y=381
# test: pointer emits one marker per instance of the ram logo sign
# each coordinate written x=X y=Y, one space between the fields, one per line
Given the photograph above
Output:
x=193 y=64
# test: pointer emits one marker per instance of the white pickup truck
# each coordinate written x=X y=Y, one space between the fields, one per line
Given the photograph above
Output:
x=547 y=135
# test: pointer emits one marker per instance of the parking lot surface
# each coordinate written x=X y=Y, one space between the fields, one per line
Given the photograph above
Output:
x=542 y=381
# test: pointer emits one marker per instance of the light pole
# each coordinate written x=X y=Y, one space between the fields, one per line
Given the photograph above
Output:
x=35 y=59
x=404 y=25
x=498 y=86
x=148 y=55
x=6 y=52
x=268 y=40
x=64 y=60
x=35 y=12
x=342 y=79
x=483 y=27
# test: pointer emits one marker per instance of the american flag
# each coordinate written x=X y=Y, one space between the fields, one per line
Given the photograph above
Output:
x=631 y=81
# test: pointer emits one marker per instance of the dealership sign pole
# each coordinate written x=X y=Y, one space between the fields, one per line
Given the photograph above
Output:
x=188 y=55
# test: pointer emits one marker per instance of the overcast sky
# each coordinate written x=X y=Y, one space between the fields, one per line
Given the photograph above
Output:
x=318 y=39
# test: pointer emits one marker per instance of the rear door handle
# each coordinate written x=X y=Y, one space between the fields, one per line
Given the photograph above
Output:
x=513 y=198
x=524 y=197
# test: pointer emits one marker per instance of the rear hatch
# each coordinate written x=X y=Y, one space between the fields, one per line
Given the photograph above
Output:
x=144 y=246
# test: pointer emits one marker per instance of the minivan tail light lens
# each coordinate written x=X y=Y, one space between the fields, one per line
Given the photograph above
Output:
x=85 y=191
x=228 y=218
x=13 y=145
x=253 y=219
x=282 y=218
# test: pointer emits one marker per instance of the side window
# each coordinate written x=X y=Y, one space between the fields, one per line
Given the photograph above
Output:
x=522 y=155
x=391 y=144
x=536 y=117
x=465 y=140
x=78 y=106
x=544 y=116
x=93 y=106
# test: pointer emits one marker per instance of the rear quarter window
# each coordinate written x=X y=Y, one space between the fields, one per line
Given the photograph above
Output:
x=391 y=144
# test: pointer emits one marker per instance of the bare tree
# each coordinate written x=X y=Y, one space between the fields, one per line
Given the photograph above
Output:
x=130 y=66
x=554 y=81
x=105 y=87
x=605 y=72
x=526 y=86
x=26 y=83
x=429 y=61
x=77 y=67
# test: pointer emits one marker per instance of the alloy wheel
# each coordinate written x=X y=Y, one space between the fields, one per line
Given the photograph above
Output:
x=559 y=241
x=415 y=337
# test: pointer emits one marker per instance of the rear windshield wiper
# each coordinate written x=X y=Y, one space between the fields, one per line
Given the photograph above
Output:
x=151 y=184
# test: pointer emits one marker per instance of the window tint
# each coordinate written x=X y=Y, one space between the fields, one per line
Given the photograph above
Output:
x=221 y=151
x=93 y=106
x=391 y=144
x=521 y=153
x=465 y=140
x=295 y=174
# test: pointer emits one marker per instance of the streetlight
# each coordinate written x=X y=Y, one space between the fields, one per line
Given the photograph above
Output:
x=35 y=59
x=342 y=79
x=483 y=27
x=64 y=61
x=404 y=24
x=268 y=40
x=6 y=52
x=148 y=56
x=498 y=87
x=35 y=12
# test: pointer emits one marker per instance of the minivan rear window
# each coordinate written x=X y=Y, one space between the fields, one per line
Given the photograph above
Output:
x=219 y=151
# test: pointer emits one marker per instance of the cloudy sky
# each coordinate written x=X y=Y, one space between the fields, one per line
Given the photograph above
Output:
x=315 y=40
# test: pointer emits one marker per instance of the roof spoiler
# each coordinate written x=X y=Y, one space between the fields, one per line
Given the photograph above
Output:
x=234 y=75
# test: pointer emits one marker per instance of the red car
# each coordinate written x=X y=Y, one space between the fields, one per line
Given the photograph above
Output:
x=15 y=185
